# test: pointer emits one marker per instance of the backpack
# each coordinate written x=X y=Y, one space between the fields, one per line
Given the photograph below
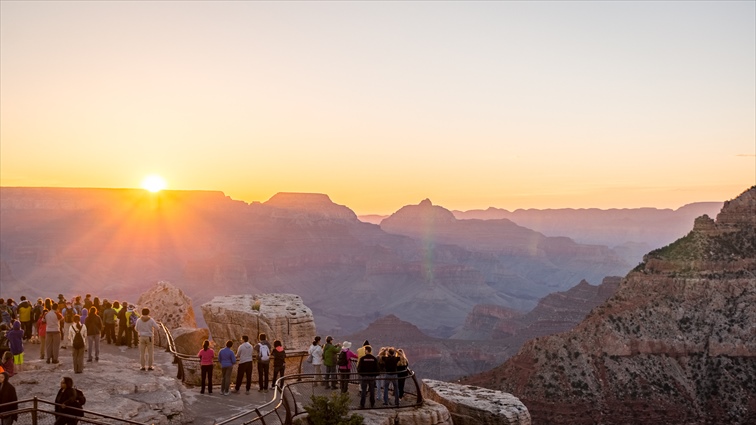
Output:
x=78 y=341
x=69 y=315
x=5 y=316
x=342 y=359
x=264 y=352
x=133 y=319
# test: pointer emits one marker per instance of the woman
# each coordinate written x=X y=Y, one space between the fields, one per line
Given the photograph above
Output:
x=77 y=346
x=206 y=355
x=344 y=366
x=279 y=361
x=316 y=351
x=42 y=333
x=226 y=358
x=7 y=395
x=402 y=371
x=94 y=326
x=66 y=403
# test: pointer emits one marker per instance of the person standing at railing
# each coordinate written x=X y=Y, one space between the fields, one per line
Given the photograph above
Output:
x=279 y=361
x=390 y=362
x=263 y=349
x=244 y=354
x=144 y=328
x=330 y=355
x=344 y=361
x=316 y=351
x=226 y=358
x=206 y=355
x=367 y=367
x=7 y=395
x=402 y=371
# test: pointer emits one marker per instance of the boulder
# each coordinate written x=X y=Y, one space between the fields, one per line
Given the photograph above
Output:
x=430 y=413
x=279 y=316
x=189 y=340
x=169 y=304
x=471 y=405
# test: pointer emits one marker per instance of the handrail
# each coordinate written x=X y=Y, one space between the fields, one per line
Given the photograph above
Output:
x=36 y=408
x=284 y=396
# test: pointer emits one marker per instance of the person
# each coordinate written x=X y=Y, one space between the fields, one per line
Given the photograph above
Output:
x=109 y=317
x=77 y=352
x=6 y=312
x=279 y=361
x=206 y=355
x=67 y=403
x=389 y=363
x=42 y=333
x=344 y=365
x=361 y=350
x=330 y=353
x=226 y=358
x=93 y=322
x=6 y=363
x=131 y=334
x=402 y=371
x=25 y=317
x=244 y=354
x=68 y=316
x=123 y=325
x=52 y=340
x=88 y=301
x=367 y=367
x=16 y=341
x=382 y=369
x=37 y=312
x=8 y=398
x=316 y=351
x=145 y=327
x=263 y=349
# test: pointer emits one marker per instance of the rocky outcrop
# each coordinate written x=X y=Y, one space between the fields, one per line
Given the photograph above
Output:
x=471 y=405
x=309 y=204
x=675 y=344
x=279 y=316
x=169 y=304
x=189 y=340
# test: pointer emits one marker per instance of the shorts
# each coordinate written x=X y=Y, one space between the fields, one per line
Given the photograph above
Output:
x=18 y=358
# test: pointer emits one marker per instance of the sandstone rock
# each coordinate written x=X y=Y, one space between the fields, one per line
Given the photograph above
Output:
x=470 y=405
x=169 y=304
x=280 y=316
x=189 y=340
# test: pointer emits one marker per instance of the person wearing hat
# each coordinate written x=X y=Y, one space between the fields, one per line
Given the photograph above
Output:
x=344 y=362
x=361 y=350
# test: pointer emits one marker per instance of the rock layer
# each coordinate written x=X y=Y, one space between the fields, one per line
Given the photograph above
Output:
x=471 y=405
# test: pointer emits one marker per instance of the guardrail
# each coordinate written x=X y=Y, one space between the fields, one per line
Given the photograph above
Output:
x=293 y=392
x=35 y=411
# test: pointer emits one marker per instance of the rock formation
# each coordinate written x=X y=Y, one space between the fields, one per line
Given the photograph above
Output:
x=169 y=304
x=675 y=344
x=279 y=316
x=470 y=405
x=189 y=340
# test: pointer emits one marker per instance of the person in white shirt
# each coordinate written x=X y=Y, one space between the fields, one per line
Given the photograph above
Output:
x=144 y=327
x=316 y=351
x=244 y=354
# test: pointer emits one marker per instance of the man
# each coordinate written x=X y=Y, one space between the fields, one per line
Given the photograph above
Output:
x=109 y=318
x=390 y=362
x=52 y=334
x=144 y=328
x=123 y=324
x=244 y=354
x=25 y=317
x=68 y=316
x=367 y=367
x=330 y=352
x=263 y=350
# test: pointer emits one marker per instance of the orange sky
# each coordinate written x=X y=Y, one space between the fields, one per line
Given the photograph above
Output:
x=379 y=105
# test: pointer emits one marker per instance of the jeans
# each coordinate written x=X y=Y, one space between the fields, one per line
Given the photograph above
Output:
x=278 y=371
x=207 y=371
x=244 y=369
x=263 y=369
x=331 y=377
x=344 y=379
x=93 y=343
x=367 y=384
x=226 y=381
x=390 y=379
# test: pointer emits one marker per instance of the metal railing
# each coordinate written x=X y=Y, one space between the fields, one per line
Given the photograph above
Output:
x=294 y=392
x=35 y=411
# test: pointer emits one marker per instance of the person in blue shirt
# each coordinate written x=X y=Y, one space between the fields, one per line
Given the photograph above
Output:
x=226 y=358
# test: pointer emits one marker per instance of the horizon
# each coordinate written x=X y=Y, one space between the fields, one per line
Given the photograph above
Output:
x=157 y=193
x=512 y=105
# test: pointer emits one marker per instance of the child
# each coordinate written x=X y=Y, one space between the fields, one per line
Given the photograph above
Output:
x=279 y=361
x=16 y=339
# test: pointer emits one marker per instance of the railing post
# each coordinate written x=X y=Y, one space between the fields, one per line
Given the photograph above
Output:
x=34 y=411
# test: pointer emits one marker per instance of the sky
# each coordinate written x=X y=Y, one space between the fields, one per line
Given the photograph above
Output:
x=383 y=104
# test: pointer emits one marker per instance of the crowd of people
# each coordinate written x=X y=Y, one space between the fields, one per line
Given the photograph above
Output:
x=76 y=323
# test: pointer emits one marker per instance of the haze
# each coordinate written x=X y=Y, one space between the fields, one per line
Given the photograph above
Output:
x=382 y=104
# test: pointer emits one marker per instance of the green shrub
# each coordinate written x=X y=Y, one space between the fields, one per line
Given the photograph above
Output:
x=331 y=411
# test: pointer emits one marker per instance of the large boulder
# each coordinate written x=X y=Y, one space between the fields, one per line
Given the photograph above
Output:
x=471 y=405
x=169 y=304
x=189 y=340
x=279 y=316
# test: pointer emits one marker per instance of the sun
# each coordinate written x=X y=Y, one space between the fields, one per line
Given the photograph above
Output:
x=153 y=183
